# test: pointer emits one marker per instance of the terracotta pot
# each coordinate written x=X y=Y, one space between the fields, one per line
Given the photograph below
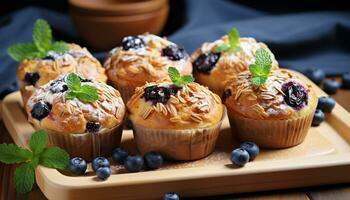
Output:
x=104 y=32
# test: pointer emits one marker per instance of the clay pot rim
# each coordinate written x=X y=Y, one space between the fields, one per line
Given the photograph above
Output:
x=116 y=8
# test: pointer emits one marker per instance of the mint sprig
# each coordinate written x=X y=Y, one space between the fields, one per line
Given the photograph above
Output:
x=260 y=70
x=233 y=44
x=85 y=93
x=41 y=45
x=37 y=154
x=177 y=79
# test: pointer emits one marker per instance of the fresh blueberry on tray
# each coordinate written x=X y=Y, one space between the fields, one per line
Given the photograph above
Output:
x=31 y=78
x=315 y=75
x=252 y=149
x=318 y=117
x=153 y=160
x=239 y=157
x=174 y=52
x=205 y=62
x=170 y=196
x=346 y=81
x=99 y=162
x=103 y=173
x=41 y=110
x=326 y=104
x=134 y=163
x=119 y=155
x=77 y=166
x=331 y=86
x=132 y=42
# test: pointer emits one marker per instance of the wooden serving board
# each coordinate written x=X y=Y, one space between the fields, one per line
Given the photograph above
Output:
x=323 y=158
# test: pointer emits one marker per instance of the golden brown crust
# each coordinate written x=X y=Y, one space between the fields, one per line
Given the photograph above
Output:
x=193 y=106
x=135 y=67
x=229 y=63
x=71 y=116
x=266 y=101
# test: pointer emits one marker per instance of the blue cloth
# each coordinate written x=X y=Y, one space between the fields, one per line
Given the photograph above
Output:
x=298 y=40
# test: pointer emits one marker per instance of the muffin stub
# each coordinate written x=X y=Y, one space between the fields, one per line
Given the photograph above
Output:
x=214 y=69
x=37 y=72
x=162 y=105
x=144 y=58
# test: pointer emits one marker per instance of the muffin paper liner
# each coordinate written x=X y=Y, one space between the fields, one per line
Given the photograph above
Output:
x=271 y=133
x=183 y=144
x=88 y=145
x=126 y=91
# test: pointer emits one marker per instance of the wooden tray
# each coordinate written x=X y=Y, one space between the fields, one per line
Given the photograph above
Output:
x=323 y=158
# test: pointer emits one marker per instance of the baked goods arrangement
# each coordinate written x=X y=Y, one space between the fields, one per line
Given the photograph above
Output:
x=174 y=116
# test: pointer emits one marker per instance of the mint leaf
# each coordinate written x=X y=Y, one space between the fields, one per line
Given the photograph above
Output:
x=24 y=178
x=176 y=77
x=22 y=51
x=38 y=141
x=88 y=93
x=187 y=79
x=59 y=47
x=73 y=82
x=222 y=48
x=261 y=68
x=42 y=35
x=10 y=154
x=54 y=157
x=233 y=42
x=85 y=93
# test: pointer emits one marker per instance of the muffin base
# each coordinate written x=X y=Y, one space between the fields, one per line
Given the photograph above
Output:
x=271 y=134
x=186 y=144
x=87 y=145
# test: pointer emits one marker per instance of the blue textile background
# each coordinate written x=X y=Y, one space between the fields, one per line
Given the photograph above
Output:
x=298 y=40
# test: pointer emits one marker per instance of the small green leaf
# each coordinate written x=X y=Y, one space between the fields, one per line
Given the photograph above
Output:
x=21 y=51
x=24 y=178
x=59 y=47
x=73 y=82
x=233 y=37
x=71 y=95
x=261 y=68
x=259 y=80
x=10 y=154
x=88 y=93
x=187 y=79
x=176 y=77
x=38 y=141
x=262 y=57
x=222 y=48
x=54 y=157
x=42 y=35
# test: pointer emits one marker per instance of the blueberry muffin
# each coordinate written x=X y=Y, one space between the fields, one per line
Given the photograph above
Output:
x=214 y=66
x=82 y=116
x=33 y=73
x=275 y=114
x=143 y=58
x=180 y=122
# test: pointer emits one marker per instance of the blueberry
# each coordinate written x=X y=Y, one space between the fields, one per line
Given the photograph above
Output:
x=41 y=110
x=295 y=95
x=132 y=42
x=174 y=52
x=205 y=62
x=134 y=163
x=331 y=86
x=239 y=157
x=170 y=196
x=77 y=166
x=346 y=81
x=225 y=95
x=31 y=78
x=318 y=117
x=99 y=162
x=119 y=155
x=153 y=159
x=326 y=104
x=92 y=127
x=103 y=173
x=251 y=148
x=315 y=75
x=159 y=94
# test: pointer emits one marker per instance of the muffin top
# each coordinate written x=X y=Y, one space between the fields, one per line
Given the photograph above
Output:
x=38 y=72
x=207 y=60
x=282 y=96
x=145 y=58
x=163 y=105
x=72 y=104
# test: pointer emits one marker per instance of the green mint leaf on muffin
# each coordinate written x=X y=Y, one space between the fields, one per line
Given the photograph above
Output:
x=28 y=159
x=261 y=68
x=177 y=79
x=85 y=93
x=233 y=45
x=41 y=45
